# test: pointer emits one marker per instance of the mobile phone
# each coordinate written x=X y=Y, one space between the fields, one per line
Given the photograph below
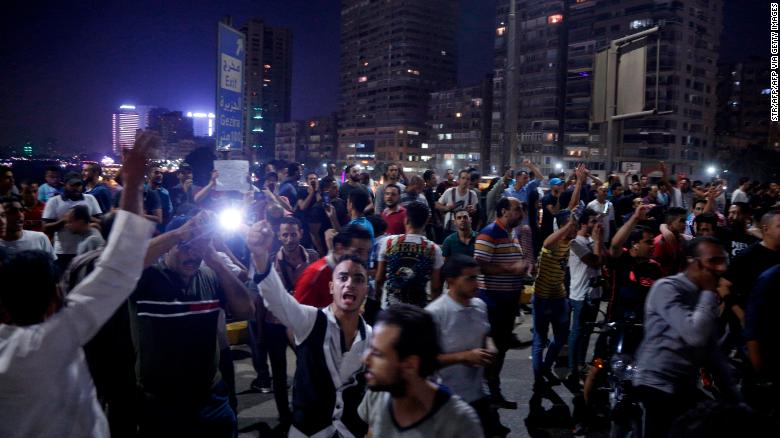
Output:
x=325 y=199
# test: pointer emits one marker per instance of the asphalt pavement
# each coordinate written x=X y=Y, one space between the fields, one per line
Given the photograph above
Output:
x=552 y=413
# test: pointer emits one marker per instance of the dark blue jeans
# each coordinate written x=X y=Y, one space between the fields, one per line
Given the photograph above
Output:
x=583 y=313
x=502 y=309
x=546 y=312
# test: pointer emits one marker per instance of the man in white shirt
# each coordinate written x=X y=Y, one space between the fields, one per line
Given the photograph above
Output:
x=463 y=327
x=606 y=211
x=740 y=194
x=55 y=217
x=586 y=256
x=459 y=196
x=47 y=388
x=15 y=239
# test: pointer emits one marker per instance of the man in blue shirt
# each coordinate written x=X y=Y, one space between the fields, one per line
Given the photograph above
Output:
x=52 y=186
x=356 y=205
x=523 y=182
x=155 y=183
x=91 y=173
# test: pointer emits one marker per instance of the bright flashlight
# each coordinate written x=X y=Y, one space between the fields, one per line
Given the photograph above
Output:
x=230 y=219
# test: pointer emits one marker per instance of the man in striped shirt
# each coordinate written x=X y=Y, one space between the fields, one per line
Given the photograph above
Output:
x=502 y=267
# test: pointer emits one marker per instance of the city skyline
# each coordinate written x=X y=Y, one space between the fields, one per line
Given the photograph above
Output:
x=62 y=83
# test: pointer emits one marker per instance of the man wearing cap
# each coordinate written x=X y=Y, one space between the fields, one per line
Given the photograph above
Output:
x=551 y=206
x=55 y=216
x=524 y=184
x=185 y=191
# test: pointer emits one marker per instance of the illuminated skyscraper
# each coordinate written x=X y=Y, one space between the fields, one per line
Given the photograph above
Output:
x=202 y=123
x=267 y=85
x=393 y=55
x=124 y=124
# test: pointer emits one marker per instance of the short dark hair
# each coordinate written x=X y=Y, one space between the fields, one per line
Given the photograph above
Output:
x=57 y=169
x=674 y=213
x=393 y=186
x=293 y=168
x=326 y=182
x=291 y=220
x=699 y=201
x=379 y=224
x=464 y=170
x=273 y=175
x=351 y=258
x=586 y=215
x=417 y=214
x=349 y=233
x=81 y=213
x=4 y=169
x=501 y=205
x=636 y=235
x=768 y=216
x=417 y=335
x=706 y=218
x=359 y=199
x=693 y=246
x=95 y=168
x=455 y=265
x=744 y=180
x=428 y=174
x=348 y=167
x=35 y=273
x=744 y=207
x=616 y=186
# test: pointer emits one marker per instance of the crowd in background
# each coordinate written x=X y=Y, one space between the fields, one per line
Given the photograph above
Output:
x=398 y=297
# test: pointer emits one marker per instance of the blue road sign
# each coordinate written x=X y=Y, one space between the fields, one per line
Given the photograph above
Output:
x=231 y=49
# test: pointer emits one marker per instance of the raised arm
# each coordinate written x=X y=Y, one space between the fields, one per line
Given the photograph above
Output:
x=616 y=245
x=581 y=172
x=116 y=272
x=533 y=168
x=298 y=317
x=202 y=193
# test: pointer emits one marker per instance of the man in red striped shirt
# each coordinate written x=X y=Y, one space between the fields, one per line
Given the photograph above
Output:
x=502 y=266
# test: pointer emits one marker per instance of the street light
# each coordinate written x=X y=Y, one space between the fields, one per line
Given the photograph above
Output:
x=558 y=166
x=449 y=163
x=711 y=170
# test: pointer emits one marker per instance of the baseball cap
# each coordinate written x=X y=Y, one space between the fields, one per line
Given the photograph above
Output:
x=556 y=182
x=73 y=178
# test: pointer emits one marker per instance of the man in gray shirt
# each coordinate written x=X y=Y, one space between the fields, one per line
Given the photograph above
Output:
x=680 y=316
x=463 y=326
x=402 y=402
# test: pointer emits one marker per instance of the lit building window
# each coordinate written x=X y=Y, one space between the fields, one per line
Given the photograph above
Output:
x=312 y=124
x=414 y=72
x=458 y=115
x=555 y=19
x=424 y=145
x=363 y=79
x=500 y=31
x=639 y=24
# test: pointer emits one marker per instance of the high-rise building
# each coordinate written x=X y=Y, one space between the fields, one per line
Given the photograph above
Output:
x=267 y=86
x=556 y=43
x=743 y=98
x=393 y=55
x=459 y=127
x=311 y=142
x=202 y=123
x=124 y=124
x=174 y=126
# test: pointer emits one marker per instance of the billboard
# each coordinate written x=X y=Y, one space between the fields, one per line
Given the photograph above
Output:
x=230 y=85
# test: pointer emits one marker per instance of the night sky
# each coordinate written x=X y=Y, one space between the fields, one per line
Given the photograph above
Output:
x=67 y=65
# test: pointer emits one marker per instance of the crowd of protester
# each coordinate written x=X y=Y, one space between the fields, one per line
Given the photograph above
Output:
x=399 y=299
